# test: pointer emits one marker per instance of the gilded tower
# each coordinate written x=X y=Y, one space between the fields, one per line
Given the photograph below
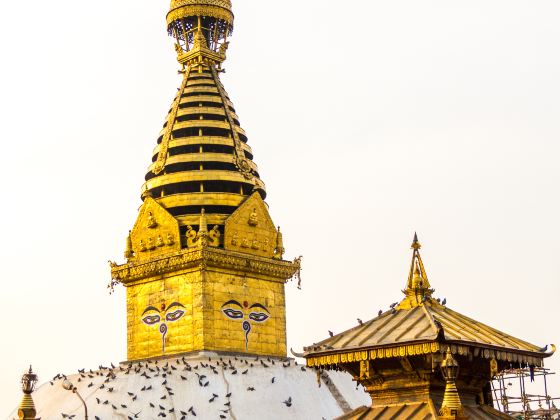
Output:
x=204 y=262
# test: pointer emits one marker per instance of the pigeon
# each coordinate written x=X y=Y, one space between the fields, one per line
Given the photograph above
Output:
x=380 y=312
x=444 y=301
x=331 y=333
x=288 y=402
x=360 y=321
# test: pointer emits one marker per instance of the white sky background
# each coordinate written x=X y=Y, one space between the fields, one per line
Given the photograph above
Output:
x=368 y=119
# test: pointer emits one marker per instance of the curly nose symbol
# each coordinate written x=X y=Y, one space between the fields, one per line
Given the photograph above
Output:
x=163 y=331
x=247 y=329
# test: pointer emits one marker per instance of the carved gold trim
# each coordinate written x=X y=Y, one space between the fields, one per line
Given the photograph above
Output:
x=203 y=258
x=416 y=350
x=217 y=12
x=226 y=4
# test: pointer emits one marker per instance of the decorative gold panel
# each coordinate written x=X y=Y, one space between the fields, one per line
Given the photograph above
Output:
x=214 y=310
x=250 y=229
x=156 y=232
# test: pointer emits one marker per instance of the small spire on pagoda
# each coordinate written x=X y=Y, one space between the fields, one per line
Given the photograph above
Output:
x=418 y=290
x=451 y=407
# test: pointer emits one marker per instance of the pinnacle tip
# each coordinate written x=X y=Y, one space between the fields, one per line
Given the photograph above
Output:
x=415 y=242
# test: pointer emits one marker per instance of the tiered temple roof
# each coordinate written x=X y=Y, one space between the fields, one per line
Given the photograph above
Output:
x=397 y=355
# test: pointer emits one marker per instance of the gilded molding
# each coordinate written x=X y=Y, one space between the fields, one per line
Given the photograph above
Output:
x=417 y=350
x=226 y=4
x=202 y=257
x=215 y=11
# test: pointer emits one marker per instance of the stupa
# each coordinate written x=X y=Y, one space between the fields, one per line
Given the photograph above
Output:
x=204 y=271
x=423 y=360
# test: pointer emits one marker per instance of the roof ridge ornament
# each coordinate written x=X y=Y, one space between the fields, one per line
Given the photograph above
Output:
x=451 y=408
x=418 y=289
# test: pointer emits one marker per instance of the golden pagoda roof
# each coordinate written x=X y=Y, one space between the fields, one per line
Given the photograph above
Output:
x=420 y=324
x=425 y=323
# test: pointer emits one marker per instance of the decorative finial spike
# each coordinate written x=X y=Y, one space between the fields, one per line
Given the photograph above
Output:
x=415 y=242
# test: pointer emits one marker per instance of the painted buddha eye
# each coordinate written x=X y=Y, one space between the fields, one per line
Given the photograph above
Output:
x=151 y=319
x=175 y=316
x=258 y=316
x=233 y=314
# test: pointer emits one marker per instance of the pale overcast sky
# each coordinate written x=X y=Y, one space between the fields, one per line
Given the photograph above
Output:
x=368 y=120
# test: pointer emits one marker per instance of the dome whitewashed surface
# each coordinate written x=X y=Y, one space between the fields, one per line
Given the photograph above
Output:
x=205 y=386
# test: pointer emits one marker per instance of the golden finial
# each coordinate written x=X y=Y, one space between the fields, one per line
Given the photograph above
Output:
x=418 y=290
x=451 y=408
x=201 y=29
x=26 y=409
x=203 y=230
x=203 y=225
x=279 y=249
x=128 y=253
x=415 y=243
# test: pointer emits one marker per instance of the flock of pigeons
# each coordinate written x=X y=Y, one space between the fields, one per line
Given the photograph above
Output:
x=103 y=388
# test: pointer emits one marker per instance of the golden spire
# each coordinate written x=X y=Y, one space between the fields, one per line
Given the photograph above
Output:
x=279 y=249
x=27 y=409
x=202 y=159
x=128 y=253
x=451 y=408
x=418 y=290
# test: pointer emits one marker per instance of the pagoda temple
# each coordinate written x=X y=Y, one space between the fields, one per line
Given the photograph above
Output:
x=423 y=360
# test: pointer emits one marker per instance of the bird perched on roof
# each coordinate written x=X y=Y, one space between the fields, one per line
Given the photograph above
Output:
x=380 y=312
x=440 y=332
x=360 y=321
x=331 y=333
x=444 y=301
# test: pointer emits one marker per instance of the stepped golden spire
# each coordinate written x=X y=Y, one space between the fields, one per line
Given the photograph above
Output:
x=26 y=410
x=204 y=267
x=202 y=158
x=418 y=290
x=451 y=407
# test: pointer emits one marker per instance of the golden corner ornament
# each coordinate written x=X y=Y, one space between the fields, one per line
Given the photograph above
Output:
x=204 y=261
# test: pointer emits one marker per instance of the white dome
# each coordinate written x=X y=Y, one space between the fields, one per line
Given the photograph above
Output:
x=206 y=386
